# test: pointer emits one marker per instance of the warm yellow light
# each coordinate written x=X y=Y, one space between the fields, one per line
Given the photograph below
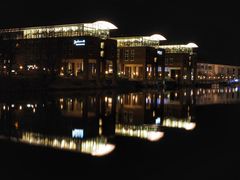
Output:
x=16 y=125
x=21 y=67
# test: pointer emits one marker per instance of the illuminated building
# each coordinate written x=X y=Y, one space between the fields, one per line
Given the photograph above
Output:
x=217 y=72
x=145 y=57
x=82 y=50
x=140 y=58
x=180 y=62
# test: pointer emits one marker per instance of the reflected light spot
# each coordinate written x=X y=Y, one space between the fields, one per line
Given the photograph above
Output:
x=155 y=136
x=190 y=126
x=103 y=150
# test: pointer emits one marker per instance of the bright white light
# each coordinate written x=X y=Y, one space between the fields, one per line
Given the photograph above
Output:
x=157 y=37
x=104 y=25
x=159 y=52
x=192 y=45
x=79 y=42
x=103 y=149
x=158 y=120
x=190 y=126
x=155 y=135
x=77 y=133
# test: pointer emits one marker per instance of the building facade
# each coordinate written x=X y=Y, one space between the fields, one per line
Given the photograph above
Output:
x=180 y=63
x=206 y=71
x=139 y=58
x=83 y=51
x=145 y=58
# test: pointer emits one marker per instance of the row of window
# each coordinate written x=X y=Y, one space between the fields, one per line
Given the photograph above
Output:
x=129 y=55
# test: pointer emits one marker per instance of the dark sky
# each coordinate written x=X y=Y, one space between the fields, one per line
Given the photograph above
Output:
x=213 y=26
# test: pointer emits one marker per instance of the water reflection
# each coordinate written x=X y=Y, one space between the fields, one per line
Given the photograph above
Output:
x=89 y=122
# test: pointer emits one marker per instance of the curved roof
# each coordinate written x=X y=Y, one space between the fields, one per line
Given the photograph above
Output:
x=191 y=45
x=104 y=25
x=157 y=37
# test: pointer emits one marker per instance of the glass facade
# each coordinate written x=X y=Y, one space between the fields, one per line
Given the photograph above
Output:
x=97 y=29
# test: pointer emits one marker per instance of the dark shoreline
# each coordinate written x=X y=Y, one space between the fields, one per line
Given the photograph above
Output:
x=34 y=84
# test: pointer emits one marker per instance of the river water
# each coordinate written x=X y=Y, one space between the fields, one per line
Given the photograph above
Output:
x=186 y=133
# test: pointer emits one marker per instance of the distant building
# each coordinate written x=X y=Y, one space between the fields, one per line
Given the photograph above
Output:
x=76 y=50
x=145 y=58
x=180 y=62
x=207 y=71
x=86 y=51
x=139 y=57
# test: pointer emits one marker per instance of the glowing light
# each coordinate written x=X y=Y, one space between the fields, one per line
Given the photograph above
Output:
x=160 y=52
x=16 y=125
x=77 y=133
x=179 y=124
x=190 y=126
x=158 y=121
x=154 y=113
x=191 y=45
x=104 y=25
x=79 y=42
x=157 y=37
x=154 y=136
x=100 y=121
x=103 y=149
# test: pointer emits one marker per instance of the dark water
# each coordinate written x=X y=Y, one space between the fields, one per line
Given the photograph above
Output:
x=187 y=134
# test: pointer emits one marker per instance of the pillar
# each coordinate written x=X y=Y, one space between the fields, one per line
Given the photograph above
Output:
x=85 y=69
x=98 y=68
x=152 y=72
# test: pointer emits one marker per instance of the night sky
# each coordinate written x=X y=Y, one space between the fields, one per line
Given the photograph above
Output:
x=214 y=27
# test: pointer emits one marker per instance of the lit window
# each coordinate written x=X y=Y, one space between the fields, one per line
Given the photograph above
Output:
x=132 y=55
x=102 y=53
x=102 y=45
x=126 y=55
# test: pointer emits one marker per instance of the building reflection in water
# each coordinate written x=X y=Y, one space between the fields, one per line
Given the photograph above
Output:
x=88 y=123
x=96 y=146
